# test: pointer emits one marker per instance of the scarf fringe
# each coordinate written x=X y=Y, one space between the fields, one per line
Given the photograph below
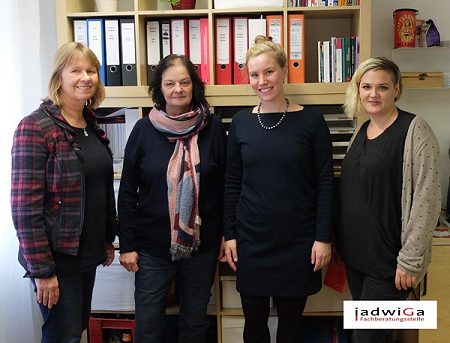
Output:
x=180 y=252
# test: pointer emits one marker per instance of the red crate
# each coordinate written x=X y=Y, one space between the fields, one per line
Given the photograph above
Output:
x=97 y=325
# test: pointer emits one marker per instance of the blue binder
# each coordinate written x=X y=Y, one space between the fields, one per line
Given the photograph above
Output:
x=96 y=42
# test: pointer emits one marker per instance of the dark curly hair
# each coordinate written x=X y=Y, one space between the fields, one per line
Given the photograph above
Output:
x=198 y=88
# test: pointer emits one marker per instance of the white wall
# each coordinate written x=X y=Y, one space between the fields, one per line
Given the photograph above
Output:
x=19 y=318
x=28 y=45
x=433 y=105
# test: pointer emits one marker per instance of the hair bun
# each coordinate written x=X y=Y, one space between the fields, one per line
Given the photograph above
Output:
x=262 y=39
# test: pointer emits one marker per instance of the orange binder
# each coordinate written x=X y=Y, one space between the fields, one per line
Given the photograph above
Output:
x=240 y=44
x=180 y=36
x=223 y=51
x=204 y=46
x=296 y=48
x=275 y=28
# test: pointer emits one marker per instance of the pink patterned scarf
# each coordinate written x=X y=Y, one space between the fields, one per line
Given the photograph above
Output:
x=183 y=176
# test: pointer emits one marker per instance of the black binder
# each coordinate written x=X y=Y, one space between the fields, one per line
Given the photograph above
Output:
x=112 y=47
x=128 y=50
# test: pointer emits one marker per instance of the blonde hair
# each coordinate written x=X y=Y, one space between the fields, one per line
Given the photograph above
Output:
x=65 y=55
x=352 y=105
x=265 y=45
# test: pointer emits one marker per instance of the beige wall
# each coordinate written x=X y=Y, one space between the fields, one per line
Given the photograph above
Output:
x=433 y=105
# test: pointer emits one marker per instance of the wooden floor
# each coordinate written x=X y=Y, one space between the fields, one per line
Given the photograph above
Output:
x=438 y=288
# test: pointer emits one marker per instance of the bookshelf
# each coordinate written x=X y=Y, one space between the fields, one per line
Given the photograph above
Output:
x=321 y=23
x=420 y=60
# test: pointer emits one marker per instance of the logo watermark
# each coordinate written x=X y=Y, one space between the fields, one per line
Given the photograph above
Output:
x=390 y=314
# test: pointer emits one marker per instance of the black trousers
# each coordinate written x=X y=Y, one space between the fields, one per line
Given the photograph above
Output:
x=256 y=312
x=364 y=287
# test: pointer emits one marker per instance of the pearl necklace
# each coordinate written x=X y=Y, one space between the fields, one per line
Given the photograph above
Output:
x=279 y=121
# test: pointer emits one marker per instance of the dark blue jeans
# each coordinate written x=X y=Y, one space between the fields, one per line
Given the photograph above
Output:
x=364 y=287
x=153 y=281
x=65 y=322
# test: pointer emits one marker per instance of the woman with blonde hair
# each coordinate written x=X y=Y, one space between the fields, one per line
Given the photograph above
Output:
x=390 y=196
x=278 y=199
x=62 y=197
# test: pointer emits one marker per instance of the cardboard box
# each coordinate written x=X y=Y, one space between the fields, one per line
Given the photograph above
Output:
x=227 y=4
x=114 y=288
x=327 y=300
x=423 y=80
x=233 y=329
x=230 y=296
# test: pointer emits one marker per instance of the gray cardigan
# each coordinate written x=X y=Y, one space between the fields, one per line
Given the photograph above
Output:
x=421 y=197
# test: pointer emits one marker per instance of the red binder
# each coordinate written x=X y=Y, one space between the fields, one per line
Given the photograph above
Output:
x=296 y=48
x=223 y=51
x=240 y=44
x=204 y=45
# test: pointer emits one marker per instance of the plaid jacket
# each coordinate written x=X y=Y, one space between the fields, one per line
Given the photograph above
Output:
x=47 y=189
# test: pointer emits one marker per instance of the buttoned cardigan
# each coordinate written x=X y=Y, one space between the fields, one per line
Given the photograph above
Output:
x=421 y=197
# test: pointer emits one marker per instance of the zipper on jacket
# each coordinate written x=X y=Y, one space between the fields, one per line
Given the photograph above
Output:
x=82 y=195
x=80 y=229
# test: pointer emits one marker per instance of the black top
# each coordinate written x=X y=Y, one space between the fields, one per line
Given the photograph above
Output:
x=278 y=200
x=370 y=193
x=97 y=168
x=143 y=204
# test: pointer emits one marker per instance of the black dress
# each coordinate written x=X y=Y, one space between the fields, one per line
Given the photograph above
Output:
x=278 y=200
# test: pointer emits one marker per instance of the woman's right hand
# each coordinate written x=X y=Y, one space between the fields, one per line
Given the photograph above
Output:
x=129 y=260
x=231 y=253
x=47 y=291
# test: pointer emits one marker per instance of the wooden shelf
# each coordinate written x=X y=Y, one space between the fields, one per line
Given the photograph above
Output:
x=100 y=14
x=321 y=23
x=433 y=59
x=233 y=95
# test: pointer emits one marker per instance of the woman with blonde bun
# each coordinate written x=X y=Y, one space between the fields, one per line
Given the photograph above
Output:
x=278 y=199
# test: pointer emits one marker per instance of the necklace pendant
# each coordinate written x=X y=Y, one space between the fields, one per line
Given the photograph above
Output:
x=85 y=132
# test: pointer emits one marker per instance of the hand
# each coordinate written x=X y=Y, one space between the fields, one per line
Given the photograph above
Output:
x=109 y=254
x=404 y=280
x=222 y=257
x=320 y=255
x=47 y=291
x=231 y=253
x=129 y=260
